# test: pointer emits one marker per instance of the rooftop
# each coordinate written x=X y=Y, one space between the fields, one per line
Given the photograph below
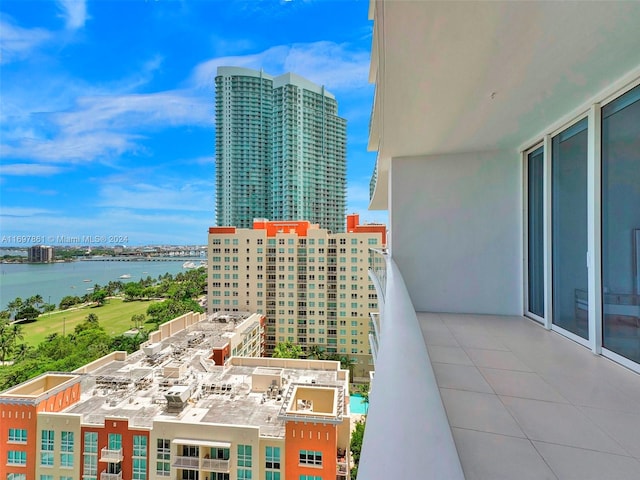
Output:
x=175 y=380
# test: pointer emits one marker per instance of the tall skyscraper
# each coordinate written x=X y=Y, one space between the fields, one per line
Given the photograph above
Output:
x=280 y=150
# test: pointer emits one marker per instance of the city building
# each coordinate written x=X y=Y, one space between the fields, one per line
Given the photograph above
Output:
x=311 y=284
x=40 y=254
x=508 y=141
x=170 y=411
x=280 y=150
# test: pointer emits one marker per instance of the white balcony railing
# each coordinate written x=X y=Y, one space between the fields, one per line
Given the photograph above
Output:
x=190 y=463
x=215 y=465
x=406 y=420
x=111 y=455
x=110 y=476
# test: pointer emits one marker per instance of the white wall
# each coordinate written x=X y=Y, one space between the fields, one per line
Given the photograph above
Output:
x=456 y=231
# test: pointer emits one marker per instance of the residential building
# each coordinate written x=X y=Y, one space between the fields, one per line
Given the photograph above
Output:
x=280 y=150
x=311 y=284
x=40 y=254
x=508 y=140
x=169 y=411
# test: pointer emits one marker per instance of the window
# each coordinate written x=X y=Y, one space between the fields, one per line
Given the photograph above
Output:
x=272 y=458
x=244 y=456
x=16 y=457
x=163 y=456
x=46 y=445
x=621 y=225
x=90 y=442
x=17 y=435
x=46 y=477
x=115 y=441
x=16 y=476
x=140 y=466
x=244 y=474
x=219 y=476
x=66 y=447
x=90 y=464
x=272 y=475
x=310 y=477
x=310 y=457
x=139 y=446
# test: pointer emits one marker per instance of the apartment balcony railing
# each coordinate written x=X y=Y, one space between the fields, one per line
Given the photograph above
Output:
x=110 y=476
x=405 y=400
x=215 y=465
x=189 y=463
x=111 y=456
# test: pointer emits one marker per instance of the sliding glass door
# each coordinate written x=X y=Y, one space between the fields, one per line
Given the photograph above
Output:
x=621 y=225
x=569 y=230
x=535 y=234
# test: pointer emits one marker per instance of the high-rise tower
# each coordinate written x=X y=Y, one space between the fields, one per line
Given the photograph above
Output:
x=280 y=150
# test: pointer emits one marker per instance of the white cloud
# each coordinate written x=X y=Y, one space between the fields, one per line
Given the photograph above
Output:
x=29 y=169
x=24 y=212
x=122 y=112
x=74 y=13
x=16 y=42
x=195 y=196
x=334 y=65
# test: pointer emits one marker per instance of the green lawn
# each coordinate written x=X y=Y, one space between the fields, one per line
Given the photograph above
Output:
x=114 y=316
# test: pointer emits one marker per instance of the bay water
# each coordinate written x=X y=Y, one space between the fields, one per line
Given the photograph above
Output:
x=53 y=281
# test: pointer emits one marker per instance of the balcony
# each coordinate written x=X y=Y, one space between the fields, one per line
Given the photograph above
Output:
x=111 y=456
x=215 y=465
x=110 y=476
x=186 y=463
x=490 y=396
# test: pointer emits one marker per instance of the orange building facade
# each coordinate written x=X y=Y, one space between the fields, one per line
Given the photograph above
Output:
x=169 y=411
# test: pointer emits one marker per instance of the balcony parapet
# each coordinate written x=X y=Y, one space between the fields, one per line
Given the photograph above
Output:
x=190 y=463
x=416 y=416
x=110 y=476
x=111 y=456
x=215 y=465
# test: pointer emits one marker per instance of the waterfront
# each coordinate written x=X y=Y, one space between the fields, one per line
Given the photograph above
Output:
x=56 y=280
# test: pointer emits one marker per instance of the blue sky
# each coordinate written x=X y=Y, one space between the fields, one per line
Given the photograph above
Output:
x=107 y=107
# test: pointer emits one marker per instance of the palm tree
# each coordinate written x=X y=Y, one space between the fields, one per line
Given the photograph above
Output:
x=15 y=305
x=21 y=351
x=287 y=350
x=348 y=363
x=316 y=352
x=6 y=341
x=16 y=332
x=363 y=390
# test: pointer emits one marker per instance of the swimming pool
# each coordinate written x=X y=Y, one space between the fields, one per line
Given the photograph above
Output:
x=357 y=405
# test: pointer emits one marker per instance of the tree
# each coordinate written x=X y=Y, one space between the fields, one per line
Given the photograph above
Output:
x=21 y=352
x=287 y=350
x=138 y=320
x=6 y=340
x=14 y=305
x=28 y=313
x=348 y=363
x=363 y=390
x=315 y=352
x=99 y=296
x=356 y=446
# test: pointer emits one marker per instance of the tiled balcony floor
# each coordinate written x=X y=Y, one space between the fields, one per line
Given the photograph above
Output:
x=526 y=403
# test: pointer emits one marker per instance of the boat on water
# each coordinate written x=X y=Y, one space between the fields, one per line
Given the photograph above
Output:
x=188 y=265
x=126 y=275
x=86 y=280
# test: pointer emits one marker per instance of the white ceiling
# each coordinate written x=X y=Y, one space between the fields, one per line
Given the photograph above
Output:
x=458 y=76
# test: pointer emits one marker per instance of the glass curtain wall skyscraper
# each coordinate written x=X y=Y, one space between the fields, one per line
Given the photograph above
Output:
x=280 y=150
